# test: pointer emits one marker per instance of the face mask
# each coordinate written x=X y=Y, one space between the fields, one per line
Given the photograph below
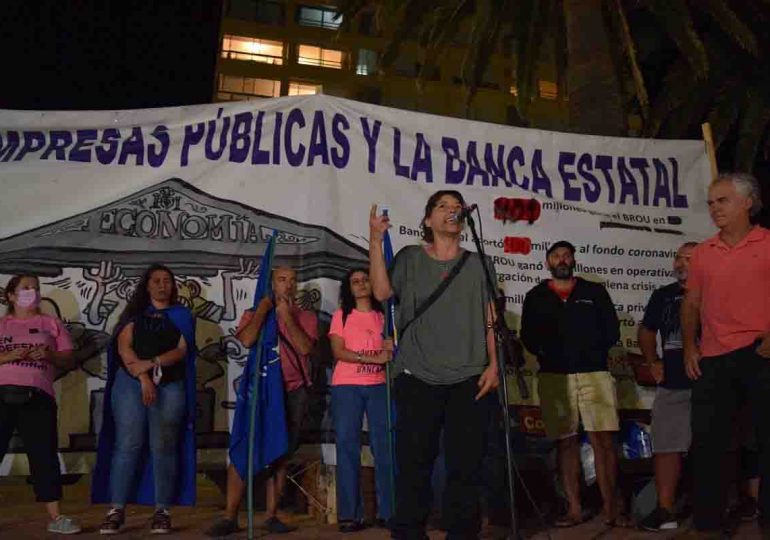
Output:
x=27 y=298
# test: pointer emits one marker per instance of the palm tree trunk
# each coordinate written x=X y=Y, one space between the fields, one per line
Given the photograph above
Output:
x=595 y=101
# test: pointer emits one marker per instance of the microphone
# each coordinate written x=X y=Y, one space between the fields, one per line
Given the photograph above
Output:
x=463 y=213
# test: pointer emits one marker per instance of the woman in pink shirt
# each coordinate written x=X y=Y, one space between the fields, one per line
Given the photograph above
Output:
x=358 y=386
x=32 y=346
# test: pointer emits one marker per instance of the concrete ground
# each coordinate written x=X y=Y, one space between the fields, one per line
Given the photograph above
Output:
x=22 y=518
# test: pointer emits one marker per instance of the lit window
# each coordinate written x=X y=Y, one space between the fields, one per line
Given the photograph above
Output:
x=252 y=49
x=310 y=55
x=303 y=89
x=319 y=17
x=234 y=88
x=547 y=89
x=514 y=90
x=367 y=62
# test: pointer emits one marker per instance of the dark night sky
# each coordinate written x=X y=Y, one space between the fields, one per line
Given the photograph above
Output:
x=107 y=54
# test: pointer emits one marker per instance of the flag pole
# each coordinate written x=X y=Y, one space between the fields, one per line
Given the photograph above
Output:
x=265 y=266
x=253 y=414
x=390 y=331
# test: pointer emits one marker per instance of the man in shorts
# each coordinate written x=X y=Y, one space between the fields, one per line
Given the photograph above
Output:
x=570 y=324
x=671 y=432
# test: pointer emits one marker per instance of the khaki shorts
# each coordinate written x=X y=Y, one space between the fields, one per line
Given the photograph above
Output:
x=568 y=399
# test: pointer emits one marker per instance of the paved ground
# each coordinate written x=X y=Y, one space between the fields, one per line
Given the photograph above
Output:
x=22 y=518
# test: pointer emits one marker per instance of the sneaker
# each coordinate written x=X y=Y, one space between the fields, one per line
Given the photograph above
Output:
x=747 y=510
x=222 y=527
x=349 y=526
x=660 y=520
x=161 y=522
x=64 y=525
x=113 y=522
x=276 y=526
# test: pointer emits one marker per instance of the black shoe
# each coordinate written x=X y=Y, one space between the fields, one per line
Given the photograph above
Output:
x=161 y=522
x=349 y=526
x=276 y=526
x=113 y=521
x=222 y=527
x=660 y=520
x=747 y=510
x=380 y=523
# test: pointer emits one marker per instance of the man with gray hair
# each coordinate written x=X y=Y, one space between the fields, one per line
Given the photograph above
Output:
x=728 y=298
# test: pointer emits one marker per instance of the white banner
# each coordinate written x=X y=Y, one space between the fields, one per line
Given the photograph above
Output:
x=90 y=199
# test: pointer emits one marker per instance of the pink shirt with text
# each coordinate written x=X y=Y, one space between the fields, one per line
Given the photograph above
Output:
x=24 y=334
x=362 y=332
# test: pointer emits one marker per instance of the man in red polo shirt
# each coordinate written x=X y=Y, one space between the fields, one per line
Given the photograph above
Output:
x=728 y=297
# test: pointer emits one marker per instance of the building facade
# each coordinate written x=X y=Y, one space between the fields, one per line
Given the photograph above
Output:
x=271 y=48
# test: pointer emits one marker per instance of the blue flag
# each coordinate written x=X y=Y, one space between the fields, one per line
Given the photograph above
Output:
x=390 y=318
x=263 y=368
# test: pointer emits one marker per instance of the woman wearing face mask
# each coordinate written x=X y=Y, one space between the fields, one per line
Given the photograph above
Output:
x=149 y=401
x=358 y=386
x=32 y=346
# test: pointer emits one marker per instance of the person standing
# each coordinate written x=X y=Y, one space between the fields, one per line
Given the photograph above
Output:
x=446 y=366
x=570 y=324
x=671 y=433
x=297 y=335
x=32 y=346
x=149 y=402
x=728 y=298
x=358 y=387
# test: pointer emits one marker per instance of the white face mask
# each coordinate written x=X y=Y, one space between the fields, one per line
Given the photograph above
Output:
x=27 y=298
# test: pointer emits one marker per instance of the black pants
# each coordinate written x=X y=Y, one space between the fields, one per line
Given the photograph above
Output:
x=422 y=410
x=36 y=422
x=715 y=397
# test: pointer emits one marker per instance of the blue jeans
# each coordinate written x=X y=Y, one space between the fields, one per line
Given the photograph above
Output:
x=348 y=405
x=164 y=419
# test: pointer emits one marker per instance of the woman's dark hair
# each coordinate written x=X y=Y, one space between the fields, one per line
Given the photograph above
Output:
x=427 y=232
x=348 y=301
x=10 y=288
x=140 y=300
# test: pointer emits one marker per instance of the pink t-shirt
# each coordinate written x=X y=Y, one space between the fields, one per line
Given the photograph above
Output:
x=24 y=334
x=295 y=368
x=734 y=286
x=362 y=333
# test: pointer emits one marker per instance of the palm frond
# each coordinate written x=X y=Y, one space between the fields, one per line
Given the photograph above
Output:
x=752 y=127
x=409 y=16
x=444 y=23
x=630 y=50
x=678 y=86
x=530 y=26
x=676 y=19
x=731 y=23
x=484 y=39
x=725 y=109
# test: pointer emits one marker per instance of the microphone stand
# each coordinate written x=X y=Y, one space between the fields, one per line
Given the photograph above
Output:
x=503 y=347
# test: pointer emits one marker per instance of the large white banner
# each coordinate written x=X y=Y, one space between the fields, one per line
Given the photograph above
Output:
x=90 y=199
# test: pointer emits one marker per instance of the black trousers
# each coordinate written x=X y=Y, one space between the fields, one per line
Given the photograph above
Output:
x=422 y=410
x=715 y=398
x=36 y=422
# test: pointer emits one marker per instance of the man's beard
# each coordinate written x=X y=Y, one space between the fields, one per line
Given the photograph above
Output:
x=563 y=271
x=680 y=275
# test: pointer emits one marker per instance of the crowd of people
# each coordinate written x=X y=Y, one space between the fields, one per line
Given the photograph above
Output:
x=705 y=336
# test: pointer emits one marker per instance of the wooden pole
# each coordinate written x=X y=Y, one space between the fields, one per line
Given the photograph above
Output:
x=708 y=138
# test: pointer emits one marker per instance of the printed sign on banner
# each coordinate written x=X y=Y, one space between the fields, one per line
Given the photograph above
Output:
x=90 y=199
